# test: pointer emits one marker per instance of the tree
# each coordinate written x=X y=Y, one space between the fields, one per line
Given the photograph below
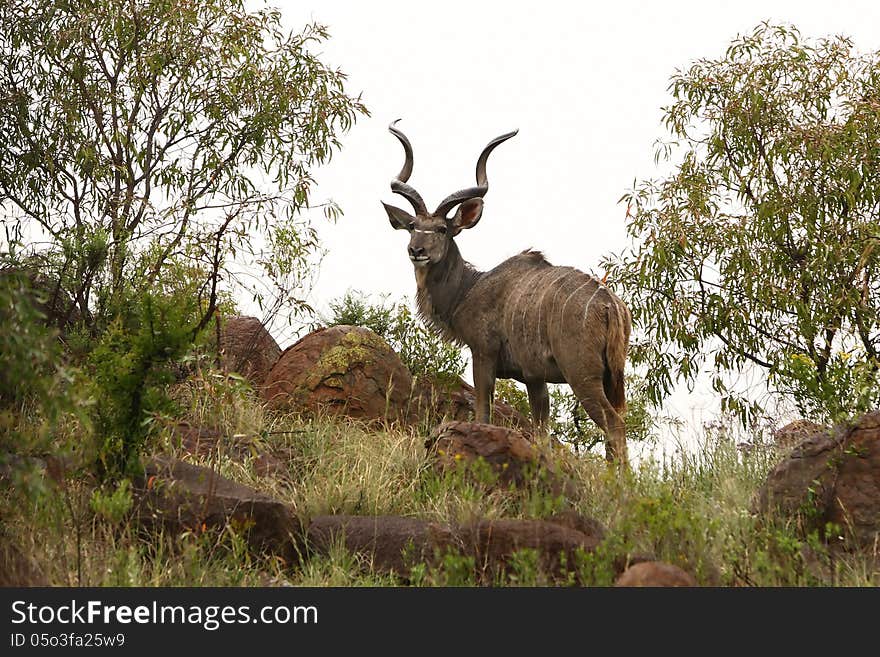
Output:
x=138 y=135
x=760 y=248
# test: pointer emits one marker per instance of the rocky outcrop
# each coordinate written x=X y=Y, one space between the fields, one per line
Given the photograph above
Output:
x=493 y=542
x=349 y=370
x=246 y=347
x=834 y=478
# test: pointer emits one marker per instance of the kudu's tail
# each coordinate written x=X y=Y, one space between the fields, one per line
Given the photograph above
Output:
x=615 y=355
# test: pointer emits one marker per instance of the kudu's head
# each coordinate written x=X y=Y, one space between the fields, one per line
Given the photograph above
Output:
x=431 y=233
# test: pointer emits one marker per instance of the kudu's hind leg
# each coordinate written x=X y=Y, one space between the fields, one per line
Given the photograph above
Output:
x=591 y=394
x=539 y=401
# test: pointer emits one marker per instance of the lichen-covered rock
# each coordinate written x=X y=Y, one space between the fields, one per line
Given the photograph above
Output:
x=655 y=573
x=246 y=347
x=347 y=370
x=832 y=477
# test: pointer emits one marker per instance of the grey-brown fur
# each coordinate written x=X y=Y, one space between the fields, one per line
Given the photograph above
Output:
x=525 y=319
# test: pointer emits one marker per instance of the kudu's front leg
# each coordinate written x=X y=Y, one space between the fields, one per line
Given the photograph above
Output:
x=484 y=384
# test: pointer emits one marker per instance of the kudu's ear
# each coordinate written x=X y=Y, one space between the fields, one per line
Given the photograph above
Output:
x=400 y=219
x=467 y=215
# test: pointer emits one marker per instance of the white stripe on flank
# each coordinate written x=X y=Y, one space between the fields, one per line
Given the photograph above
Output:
x=578 y=289
x=571 y=272
x=568 y=272
x=587 y=309
x=520 y=287
x=541 y=310
x=543 y=296
x=526 y=308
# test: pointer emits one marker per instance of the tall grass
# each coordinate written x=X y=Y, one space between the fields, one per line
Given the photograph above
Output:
x=694 y=510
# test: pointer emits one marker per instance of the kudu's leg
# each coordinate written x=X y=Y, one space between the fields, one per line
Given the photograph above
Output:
x=539 y=400
x=591 y=393
x=484 y=384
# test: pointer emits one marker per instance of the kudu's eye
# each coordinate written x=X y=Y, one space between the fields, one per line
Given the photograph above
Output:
x=412 y=225
x=442 y=230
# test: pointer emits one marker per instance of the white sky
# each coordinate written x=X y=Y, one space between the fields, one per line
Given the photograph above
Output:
x=583 y=82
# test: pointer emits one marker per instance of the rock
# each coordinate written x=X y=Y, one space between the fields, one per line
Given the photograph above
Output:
x=795 y=433
x=655 y=573
x=180 y=497
x=247 y=347
x=390 y=543
x=345 y=370
x=395 y=544
x=510 y=454
x=831 y=478
x=352 y=371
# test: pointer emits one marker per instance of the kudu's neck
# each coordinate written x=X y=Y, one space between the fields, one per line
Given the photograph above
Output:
x=443 y=286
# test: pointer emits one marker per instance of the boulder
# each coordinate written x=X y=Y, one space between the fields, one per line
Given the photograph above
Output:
x=268 y=460
x=347 y=370
x=831 y=477
x=246 y=347
x=179 y=496
x=655 y=573
x=510 y=454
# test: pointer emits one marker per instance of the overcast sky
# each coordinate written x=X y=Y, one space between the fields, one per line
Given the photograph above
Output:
x=583 y=82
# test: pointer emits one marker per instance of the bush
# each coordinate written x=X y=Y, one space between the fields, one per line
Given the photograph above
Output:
x=131 y=365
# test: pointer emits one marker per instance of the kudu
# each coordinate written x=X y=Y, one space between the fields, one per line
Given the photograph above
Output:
x=525 y=319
